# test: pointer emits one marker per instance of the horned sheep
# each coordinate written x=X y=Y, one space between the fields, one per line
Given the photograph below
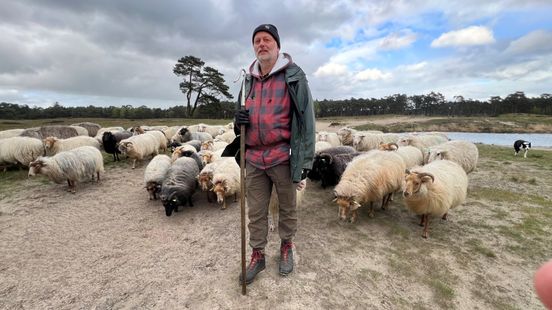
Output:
x=155 y=173
x=179 y=185
x=368 y=178
x=434 y=189
x=226 y=180
x=462 y=152
x=78 y=164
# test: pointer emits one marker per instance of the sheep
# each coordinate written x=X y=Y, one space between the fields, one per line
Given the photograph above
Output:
x=179 y=184
x=74 y=165
x=53 y=145
x=181 y=149
x=210 y=156
x=321 y=145
x=227 y=137
x=226 y=180
x=58 y=131
x=346 y=135
x=434 y=189
x=369 y=177
x=139 y=147
x=160 y=137
x=185 y=134
x=155 y=173
x=411 y=156
x=92 y=128
x=194 y=155
x=205 y=179
x=212 y=130
x=99 y=134
x=363 y=141
x=171 y=131
x=462 y=152
x=314 y=174
x=212 y=145
x=331 y=167
x=21 y=150
x=110 y=142
x=10 y=133
x=330 y=137
x=422 y=142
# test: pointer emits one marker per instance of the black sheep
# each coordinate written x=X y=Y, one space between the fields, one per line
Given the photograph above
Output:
x=110 y=142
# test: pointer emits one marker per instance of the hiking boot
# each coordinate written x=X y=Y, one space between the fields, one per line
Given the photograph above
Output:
x=256 y=265
x=286 y=257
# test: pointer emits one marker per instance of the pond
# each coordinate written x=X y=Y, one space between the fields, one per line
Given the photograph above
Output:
x=503 y=139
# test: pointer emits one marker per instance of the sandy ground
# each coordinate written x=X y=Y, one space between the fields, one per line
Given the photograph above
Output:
x=109 y=247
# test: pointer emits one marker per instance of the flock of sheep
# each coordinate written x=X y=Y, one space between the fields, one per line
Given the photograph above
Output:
x=365 y=167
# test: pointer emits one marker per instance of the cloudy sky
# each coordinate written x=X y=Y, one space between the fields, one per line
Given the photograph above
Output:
x=120 y=52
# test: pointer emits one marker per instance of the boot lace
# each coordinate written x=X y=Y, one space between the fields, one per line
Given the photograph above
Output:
x=255 y=257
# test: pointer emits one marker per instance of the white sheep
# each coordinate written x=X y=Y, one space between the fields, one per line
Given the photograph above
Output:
x=213 y=130
x=53 y=145
x=330 y=137
x=434 y=189
x=10 y=133
x=364 y=141
x=78 y=164
x=368 y=178
x=346 y=135
x=228 y=136
x=210 y=156
x=226 y=180
x=138 y=147
x=411 y=156
x=321 y=145
x=213 y=145
x=155 y=173
x=21 y=150
x=422 y=142
x=181 y=149
x=160 y=137
x=464 y=153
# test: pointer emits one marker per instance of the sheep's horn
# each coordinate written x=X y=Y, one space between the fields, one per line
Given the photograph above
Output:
x=395 y=144
x=425 y=174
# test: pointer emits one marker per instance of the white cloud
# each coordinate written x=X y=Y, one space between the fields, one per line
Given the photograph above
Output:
x=415 y=67
x=331 y=69
x=396 y=41
x=372 y=75
x=534 y=42
x=473 y=35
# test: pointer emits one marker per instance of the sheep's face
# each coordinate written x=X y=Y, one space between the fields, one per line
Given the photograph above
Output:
x=126 y=147
x=49 y=143
x=207 y=158
x=207 y=145
x=415 y=184
x=35 y=167
x=220 y=188
x=357 y=139
x=153 y=189
x=205 y=180
x=171 y=204
x=346 y=206
x=405 y=141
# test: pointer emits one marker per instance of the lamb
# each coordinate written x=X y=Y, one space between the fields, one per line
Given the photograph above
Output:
x=462 y=152
x=521 y=144
x=110 y=142
x=226 y=180
x=330 y=137
x=155 y=173
x=10 y=133
x=92 y=128
x=314 y=174
x=434 y=189
x=78 y=164
x=139 y=147
x=369 y=177
x=53 y=145
x=21 y=150
x=179 y=184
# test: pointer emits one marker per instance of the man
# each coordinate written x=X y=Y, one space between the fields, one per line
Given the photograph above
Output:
x=279 y=138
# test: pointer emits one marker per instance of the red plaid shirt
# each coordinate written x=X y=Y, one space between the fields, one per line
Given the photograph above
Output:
x=268 y=135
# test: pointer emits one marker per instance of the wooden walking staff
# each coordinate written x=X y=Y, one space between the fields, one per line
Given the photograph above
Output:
x=242 y=183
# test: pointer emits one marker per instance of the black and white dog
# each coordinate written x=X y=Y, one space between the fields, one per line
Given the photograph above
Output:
x=522 y=144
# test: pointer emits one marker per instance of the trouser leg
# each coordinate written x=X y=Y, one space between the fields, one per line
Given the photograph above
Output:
x=258 y=190
x=287 y=221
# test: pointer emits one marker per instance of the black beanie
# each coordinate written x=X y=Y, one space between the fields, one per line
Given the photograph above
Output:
x=270 y=29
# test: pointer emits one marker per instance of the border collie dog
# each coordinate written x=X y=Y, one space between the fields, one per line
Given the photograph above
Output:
x=522 y=144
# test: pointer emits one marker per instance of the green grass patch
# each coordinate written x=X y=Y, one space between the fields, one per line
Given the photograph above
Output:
x=478 y=247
